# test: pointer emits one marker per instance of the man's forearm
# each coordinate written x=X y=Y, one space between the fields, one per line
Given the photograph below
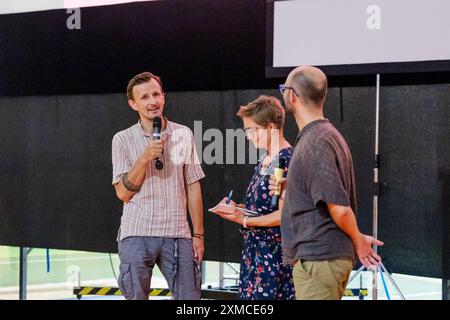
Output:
x=135 y=176
x=345 y=220
x=195 y=206
x=137 y=173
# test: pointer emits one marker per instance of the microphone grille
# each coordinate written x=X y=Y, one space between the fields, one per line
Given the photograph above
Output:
x=157 y=121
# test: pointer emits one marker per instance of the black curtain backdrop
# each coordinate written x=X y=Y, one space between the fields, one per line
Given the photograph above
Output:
x=62 y=99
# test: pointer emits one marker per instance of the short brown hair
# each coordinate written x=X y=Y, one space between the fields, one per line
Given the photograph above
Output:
x=140 y=78
x=264 y=110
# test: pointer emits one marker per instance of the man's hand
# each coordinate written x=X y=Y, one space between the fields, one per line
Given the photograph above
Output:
x=366 y=255
x=199 y=248
x=344 y=218
x=195 y=207
x=154 y=151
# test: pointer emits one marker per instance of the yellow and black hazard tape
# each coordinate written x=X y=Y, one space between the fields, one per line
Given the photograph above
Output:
x=356 y=293
x=110 y=291
x=222 y=294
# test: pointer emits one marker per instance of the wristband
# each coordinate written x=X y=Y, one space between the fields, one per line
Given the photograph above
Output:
x=244 y=223
x=128 y=185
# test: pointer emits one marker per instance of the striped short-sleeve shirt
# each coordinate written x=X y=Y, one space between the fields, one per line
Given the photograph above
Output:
x=159 y=208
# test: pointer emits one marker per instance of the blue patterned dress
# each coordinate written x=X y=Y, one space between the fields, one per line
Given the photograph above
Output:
x=262 y=274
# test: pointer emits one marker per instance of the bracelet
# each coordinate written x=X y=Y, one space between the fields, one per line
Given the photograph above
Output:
x=244 y=223
x=198 y=236
x=128 y=185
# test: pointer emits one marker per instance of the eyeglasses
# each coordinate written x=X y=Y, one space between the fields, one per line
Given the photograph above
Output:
x=283 y=88
x=251 y=131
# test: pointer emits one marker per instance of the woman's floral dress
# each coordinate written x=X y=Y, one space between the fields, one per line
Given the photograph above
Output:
x=262 y=274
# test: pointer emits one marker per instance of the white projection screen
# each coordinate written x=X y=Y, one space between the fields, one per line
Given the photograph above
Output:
x=358 y=36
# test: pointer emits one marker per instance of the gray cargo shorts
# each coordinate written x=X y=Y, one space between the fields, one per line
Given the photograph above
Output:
x=138 y=256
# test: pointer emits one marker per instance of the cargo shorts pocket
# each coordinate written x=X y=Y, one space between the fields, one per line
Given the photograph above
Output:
x=125 y=281
x=197 y=275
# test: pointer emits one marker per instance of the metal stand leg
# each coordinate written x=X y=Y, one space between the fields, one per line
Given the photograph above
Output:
x=375 y=279
x=203 y=269
x=356 y=274
x=445 y=289
x=376 y=189
x=375 y=284
x=376 y=195
x=221 y=275
x=388 y=275
x=23 y=276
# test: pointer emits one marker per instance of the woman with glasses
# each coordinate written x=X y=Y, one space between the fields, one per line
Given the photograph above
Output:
x=262 y=274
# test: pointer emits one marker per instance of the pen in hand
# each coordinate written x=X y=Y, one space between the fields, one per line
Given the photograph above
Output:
x=229 y=197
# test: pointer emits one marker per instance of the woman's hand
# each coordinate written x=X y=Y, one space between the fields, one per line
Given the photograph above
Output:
x=236 y=216
x=230 y=202
x=275 y=185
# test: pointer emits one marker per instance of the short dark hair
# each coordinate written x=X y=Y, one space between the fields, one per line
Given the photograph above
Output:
x=264 y=110
x=311 y=91
x=140 y=78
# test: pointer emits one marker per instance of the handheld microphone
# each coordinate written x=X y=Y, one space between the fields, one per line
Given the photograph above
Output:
x=156 y=135
x=278 y=173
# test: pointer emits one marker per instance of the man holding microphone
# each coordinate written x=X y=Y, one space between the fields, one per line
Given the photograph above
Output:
x=156 y=178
